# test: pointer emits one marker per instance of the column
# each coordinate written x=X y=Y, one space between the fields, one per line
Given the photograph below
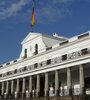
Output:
x=23 y=88
x=56 y=83
x=30 y=85
x=38 y=86
x=12 y=88
x=17 y=88
x=69 y=81
x=2 y=89
x=7 y=88
x=46 y=84
x=81 y=77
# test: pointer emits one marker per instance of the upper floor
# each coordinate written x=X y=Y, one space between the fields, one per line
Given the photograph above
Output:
x=74 y=50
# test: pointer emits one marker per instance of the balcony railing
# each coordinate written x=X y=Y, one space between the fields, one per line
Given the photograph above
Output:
x=70 y=56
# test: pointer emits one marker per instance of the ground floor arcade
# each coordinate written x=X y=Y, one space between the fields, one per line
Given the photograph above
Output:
x=73 y=80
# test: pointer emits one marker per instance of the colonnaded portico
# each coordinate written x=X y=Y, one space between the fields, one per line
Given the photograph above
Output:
x=33 y=86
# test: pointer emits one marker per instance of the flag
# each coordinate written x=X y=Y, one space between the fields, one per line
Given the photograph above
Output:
x=33 y=15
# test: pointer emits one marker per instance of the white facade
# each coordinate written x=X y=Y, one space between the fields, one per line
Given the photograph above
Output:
x=65 y=60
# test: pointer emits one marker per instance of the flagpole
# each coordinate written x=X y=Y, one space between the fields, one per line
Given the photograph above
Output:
x=32 y=17
x=32 y=28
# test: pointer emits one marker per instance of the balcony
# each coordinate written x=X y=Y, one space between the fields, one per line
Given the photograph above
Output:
x=56 y=60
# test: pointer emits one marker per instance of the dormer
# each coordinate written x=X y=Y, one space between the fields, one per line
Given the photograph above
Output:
x=35 y=43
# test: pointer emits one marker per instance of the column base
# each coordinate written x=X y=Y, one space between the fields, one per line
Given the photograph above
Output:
x=23 y=95
x=57 y=92
x=2 y=96
x=41 y=94
x=7 y=96
x=37 y=94
x=12 y=95
x=30 y=95
x=70 y=92
x=83 y=91
x=33 y=94
x=19 y=95
x=47 y=93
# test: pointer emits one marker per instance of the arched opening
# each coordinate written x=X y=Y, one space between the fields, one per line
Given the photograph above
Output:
x=87 y=85
x=36 y=49
x=25 y=53
x=42 y=86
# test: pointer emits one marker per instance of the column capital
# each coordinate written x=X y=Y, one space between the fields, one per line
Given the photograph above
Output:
x=81 y=65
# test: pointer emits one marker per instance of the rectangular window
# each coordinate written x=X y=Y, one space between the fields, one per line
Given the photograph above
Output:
x=48 y=61
x=1 y=65
x=15 y=71
x=7 y=73
x=25 y=68
x=48 y=48
x=83 y=35
x=0 y=75
x=84 y=51
x=41 y=64
x=64 y=57
x=7 y=63
x=35 y=65
x=15 y=60
x=65 y=42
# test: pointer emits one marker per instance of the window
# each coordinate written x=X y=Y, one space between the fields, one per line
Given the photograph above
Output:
x=15 y=71
x=48 y=61
x=41 y=64
x=36 y=49
x=7 y=63
x=0 y=75
x=25 y=68
x=1 y=65
x=15 y=60
x=25 y=53
x=83 y=35
x=35 y=65
x=64 y=57
x=84 y=51
x=48 y=48
x=65 y=42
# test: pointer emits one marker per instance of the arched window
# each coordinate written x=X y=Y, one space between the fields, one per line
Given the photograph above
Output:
x=36 y=49
x=25 y=53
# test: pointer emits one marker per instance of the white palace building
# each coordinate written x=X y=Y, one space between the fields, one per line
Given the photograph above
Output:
x=48 y=68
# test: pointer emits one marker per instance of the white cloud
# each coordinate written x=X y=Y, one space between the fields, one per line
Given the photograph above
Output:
x=13 y=9
x=48 y=12
x=51 y=13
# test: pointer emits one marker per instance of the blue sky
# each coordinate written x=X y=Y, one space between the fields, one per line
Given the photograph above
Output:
x=66 y=17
